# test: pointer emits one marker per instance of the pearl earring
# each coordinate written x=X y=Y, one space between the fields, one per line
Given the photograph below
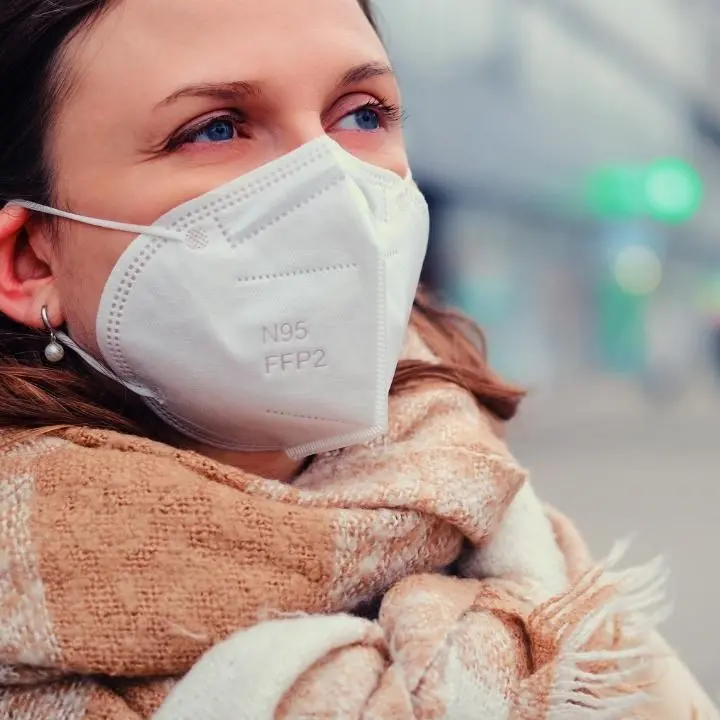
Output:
x=54 y=352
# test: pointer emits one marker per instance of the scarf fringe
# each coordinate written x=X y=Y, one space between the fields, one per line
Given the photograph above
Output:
x=606 y=684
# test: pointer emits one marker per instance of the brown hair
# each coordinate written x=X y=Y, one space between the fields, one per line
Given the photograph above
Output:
x=35 y=396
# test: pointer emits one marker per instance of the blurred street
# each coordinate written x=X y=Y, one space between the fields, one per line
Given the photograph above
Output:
x=570 y=154
x=623 y=467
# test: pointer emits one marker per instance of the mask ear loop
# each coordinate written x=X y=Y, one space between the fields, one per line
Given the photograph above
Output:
x=154 y=231
x=55 y=349
x=100 y=368
x=55 y=353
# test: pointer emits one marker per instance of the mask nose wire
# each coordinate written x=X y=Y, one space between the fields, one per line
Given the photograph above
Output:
x=153 y=231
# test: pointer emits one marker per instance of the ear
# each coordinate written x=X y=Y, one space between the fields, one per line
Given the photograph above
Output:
x=26 y=280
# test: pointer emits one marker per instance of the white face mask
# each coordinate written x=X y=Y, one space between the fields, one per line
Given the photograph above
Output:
x=271 y=312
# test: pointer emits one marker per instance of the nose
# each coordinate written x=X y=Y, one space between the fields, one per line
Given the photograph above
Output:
x=297 y=131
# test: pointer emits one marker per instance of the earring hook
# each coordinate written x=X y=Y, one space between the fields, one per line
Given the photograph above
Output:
x=54 y=352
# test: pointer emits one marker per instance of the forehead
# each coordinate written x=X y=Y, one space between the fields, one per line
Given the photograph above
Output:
x=145 y=49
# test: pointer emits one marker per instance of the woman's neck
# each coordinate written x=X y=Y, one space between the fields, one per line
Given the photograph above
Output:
x=270 y=465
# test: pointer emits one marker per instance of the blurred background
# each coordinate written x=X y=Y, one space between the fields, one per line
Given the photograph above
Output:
x=570 y=151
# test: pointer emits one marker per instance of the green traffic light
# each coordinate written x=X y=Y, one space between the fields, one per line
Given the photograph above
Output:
x=669 y=190
x=617 y=191
x=673 y=191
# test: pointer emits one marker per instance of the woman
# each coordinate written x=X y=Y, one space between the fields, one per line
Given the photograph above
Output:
x=209 y=252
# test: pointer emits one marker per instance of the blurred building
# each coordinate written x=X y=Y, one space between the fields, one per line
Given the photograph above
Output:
x=538 y=129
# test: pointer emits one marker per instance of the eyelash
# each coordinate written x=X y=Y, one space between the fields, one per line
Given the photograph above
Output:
x=186 y=135
x=390 y=114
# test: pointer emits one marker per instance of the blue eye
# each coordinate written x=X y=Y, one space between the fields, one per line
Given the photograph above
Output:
x=216 y=131
x=364 y=119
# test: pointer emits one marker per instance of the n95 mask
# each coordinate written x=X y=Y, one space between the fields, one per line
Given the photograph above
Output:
x=270 y=313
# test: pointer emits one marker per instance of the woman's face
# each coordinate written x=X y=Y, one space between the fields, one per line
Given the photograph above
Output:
x=168 y=99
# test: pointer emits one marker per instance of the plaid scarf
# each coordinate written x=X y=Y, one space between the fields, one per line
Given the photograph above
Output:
x=139 y=581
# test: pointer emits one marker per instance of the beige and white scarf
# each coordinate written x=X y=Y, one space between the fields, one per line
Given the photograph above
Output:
x=140 y=581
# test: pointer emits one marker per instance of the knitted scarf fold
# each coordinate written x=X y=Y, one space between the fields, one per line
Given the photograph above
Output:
x=123 y=562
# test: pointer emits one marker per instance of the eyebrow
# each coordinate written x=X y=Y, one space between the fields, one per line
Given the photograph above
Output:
x=232 y=91
x=364 y=72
